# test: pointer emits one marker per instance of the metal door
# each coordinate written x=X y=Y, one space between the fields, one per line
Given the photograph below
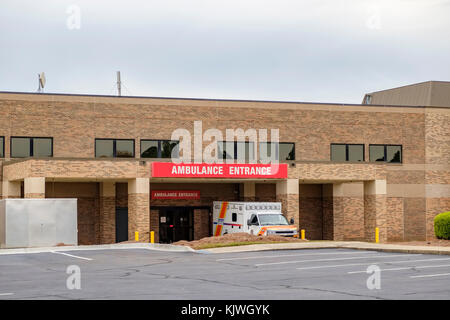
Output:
x=121 y=224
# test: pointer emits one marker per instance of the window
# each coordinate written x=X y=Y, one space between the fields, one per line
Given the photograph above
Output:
x=234 y=217
x=114 y=148
x=386 y=153
x=241 y=150
x=254 y=220
x=284 y=151
x=368 y=99
x=24 y=147
x=159 y=148
x=347 y=152
x=2 y=147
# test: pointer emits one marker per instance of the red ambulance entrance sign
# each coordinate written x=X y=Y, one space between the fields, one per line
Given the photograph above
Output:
x=176 y=194
x=224 y=170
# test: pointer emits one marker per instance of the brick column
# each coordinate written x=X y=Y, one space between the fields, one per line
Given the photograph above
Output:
x=287 y=194
x=107 y=218
x=348 y=209
x=34 y=187
x=338 y=212
x=10 y=189
x=139 y=208
x=249 y=191
x=375 y=209
x=154 y=223
x=201 y=224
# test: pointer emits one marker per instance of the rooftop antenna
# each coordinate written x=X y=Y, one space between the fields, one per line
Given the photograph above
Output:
x=41 y=77
x=119 y=84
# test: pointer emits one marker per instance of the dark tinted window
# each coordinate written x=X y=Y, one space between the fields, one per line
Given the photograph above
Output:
x=124 y=148
x=114 y=148
x=20 y=147
x=167 y=147
x=377 y=153
x=242 y=150
x=394 y=154
x=23 y=147
x=284 y=151
x=104 y=148
x=234 y=217
x=338 y=152
x=347 y=152
x=388 y=153
x=149 y=149
x=159 y=148
x=355 y=152
x=226 y=150
x=42 y=147
x=2 y=147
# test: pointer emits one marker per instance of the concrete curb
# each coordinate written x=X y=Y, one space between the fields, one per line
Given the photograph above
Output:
x=148 y=246
x=334 y=244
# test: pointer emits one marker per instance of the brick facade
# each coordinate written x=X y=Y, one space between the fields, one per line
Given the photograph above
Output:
x=417 y=189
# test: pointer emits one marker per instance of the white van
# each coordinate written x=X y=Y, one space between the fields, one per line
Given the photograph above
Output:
x=258 y=218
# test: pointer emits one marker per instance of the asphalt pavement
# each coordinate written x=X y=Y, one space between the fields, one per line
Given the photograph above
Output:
x=141 y=273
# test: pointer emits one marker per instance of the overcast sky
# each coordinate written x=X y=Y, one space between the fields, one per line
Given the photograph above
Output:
x=291 y=50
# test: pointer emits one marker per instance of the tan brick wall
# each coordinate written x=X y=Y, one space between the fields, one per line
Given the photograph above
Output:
x=107 y=217
x=266 y=192
x=87 y=195
x=202 y=224
x=375 y=217
x=310 y=210
x=75 y=121
x=437 y=174
x=154 y=223
x=394 y=219
x=139 y=216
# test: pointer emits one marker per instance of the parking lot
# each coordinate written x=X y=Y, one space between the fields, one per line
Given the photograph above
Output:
x=287 y=274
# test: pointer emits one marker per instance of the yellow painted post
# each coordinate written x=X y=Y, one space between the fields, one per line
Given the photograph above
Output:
x=136 y=236
x=377 y=235
x=152 y=236
x=303 y=234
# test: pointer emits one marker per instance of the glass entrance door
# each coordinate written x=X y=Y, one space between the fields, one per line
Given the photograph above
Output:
x=175 y=224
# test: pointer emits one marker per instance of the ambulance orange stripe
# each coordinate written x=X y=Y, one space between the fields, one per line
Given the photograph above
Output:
x=223 y=211
x=261 y=232
x=218 y=230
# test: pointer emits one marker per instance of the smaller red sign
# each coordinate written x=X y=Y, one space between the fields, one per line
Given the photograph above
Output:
x=176 y=194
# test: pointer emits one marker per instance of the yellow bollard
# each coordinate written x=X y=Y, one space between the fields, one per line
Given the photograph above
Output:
x=303 y=234
x=377 y=235
x=136 y=236
x=152 y=237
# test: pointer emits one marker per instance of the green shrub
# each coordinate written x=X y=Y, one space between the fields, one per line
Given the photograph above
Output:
x=442 y=225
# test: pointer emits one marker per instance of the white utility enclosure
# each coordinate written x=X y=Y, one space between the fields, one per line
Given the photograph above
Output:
x=38 y=222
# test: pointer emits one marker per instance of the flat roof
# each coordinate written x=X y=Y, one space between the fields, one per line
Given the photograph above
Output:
x=201 y=99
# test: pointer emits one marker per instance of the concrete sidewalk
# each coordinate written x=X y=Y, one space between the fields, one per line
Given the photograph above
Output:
x=244 y=248
x=148 y=246
x=334 y=244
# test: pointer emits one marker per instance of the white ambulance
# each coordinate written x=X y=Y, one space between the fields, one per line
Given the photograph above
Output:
x=258 y=218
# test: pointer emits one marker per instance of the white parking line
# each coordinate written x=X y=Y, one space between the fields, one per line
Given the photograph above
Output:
x=6 y=294
x=403 y=268
x=296 y=255
x=431 y=275
x=368 y=263
x=71 y=255
x=320 y=260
